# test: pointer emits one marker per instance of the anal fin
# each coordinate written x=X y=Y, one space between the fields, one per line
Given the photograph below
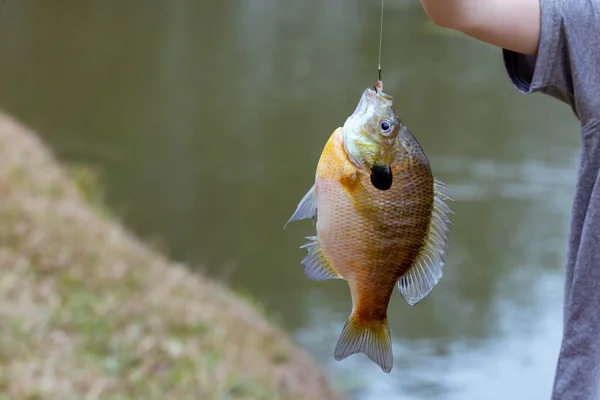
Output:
x=316 y=265
x=426 y=271
x=307 y=208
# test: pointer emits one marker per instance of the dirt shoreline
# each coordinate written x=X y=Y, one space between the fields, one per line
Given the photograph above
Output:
x=89 y=311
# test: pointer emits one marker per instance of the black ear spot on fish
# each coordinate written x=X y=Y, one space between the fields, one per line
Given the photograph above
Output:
x=381 y=177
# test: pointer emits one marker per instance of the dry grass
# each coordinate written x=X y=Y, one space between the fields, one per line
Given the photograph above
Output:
x=88 y=311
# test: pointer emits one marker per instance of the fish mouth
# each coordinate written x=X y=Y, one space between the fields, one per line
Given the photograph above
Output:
x=381 y=177
x=372 y=93
x=372 y=97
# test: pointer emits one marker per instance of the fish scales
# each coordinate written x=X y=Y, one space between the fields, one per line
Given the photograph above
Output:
x=381 y=219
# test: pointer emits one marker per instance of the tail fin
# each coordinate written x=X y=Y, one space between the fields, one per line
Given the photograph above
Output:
x=371 y=338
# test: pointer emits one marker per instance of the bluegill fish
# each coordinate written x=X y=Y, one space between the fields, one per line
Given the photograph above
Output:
x=381 y=221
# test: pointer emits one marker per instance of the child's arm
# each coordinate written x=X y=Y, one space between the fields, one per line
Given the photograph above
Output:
x=510 y=24
x=565 y=65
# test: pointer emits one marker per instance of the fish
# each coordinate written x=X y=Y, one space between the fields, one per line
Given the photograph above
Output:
x=382 y=220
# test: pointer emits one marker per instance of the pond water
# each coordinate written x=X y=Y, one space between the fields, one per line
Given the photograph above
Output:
x=207 y=119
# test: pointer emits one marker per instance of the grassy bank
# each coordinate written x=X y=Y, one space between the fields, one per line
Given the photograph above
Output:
x=88 y=311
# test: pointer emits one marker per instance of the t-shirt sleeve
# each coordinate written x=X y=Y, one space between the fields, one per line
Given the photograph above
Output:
x=568 y=28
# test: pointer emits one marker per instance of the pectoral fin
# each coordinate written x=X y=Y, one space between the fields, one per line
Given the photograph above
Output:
x=307 y=208
x=361 y=198
x=426 y=271
x=316 y=265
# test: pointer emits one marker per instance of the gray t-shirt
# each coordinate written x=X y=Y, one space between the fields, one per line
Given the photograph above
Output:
x=567 y=67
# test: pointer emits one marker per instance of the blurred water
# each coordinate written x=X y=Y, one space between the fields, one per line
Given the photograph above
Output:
x=207 y=120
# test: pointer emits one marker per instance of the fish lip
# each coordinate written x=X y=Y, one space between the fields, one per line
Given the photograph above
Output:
x=372 y=92
x=368 y=97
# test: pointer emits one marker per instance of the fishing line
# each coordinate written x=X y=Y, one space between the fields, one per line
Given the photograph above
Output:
x=380 y=40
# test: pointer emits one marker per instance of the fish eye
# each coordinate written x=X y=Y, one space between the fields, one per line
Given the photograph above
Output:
x=385 y=126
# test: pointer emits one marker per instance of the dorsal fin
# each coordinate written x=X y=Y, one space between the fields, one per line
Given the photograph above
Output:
x=426 y=271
